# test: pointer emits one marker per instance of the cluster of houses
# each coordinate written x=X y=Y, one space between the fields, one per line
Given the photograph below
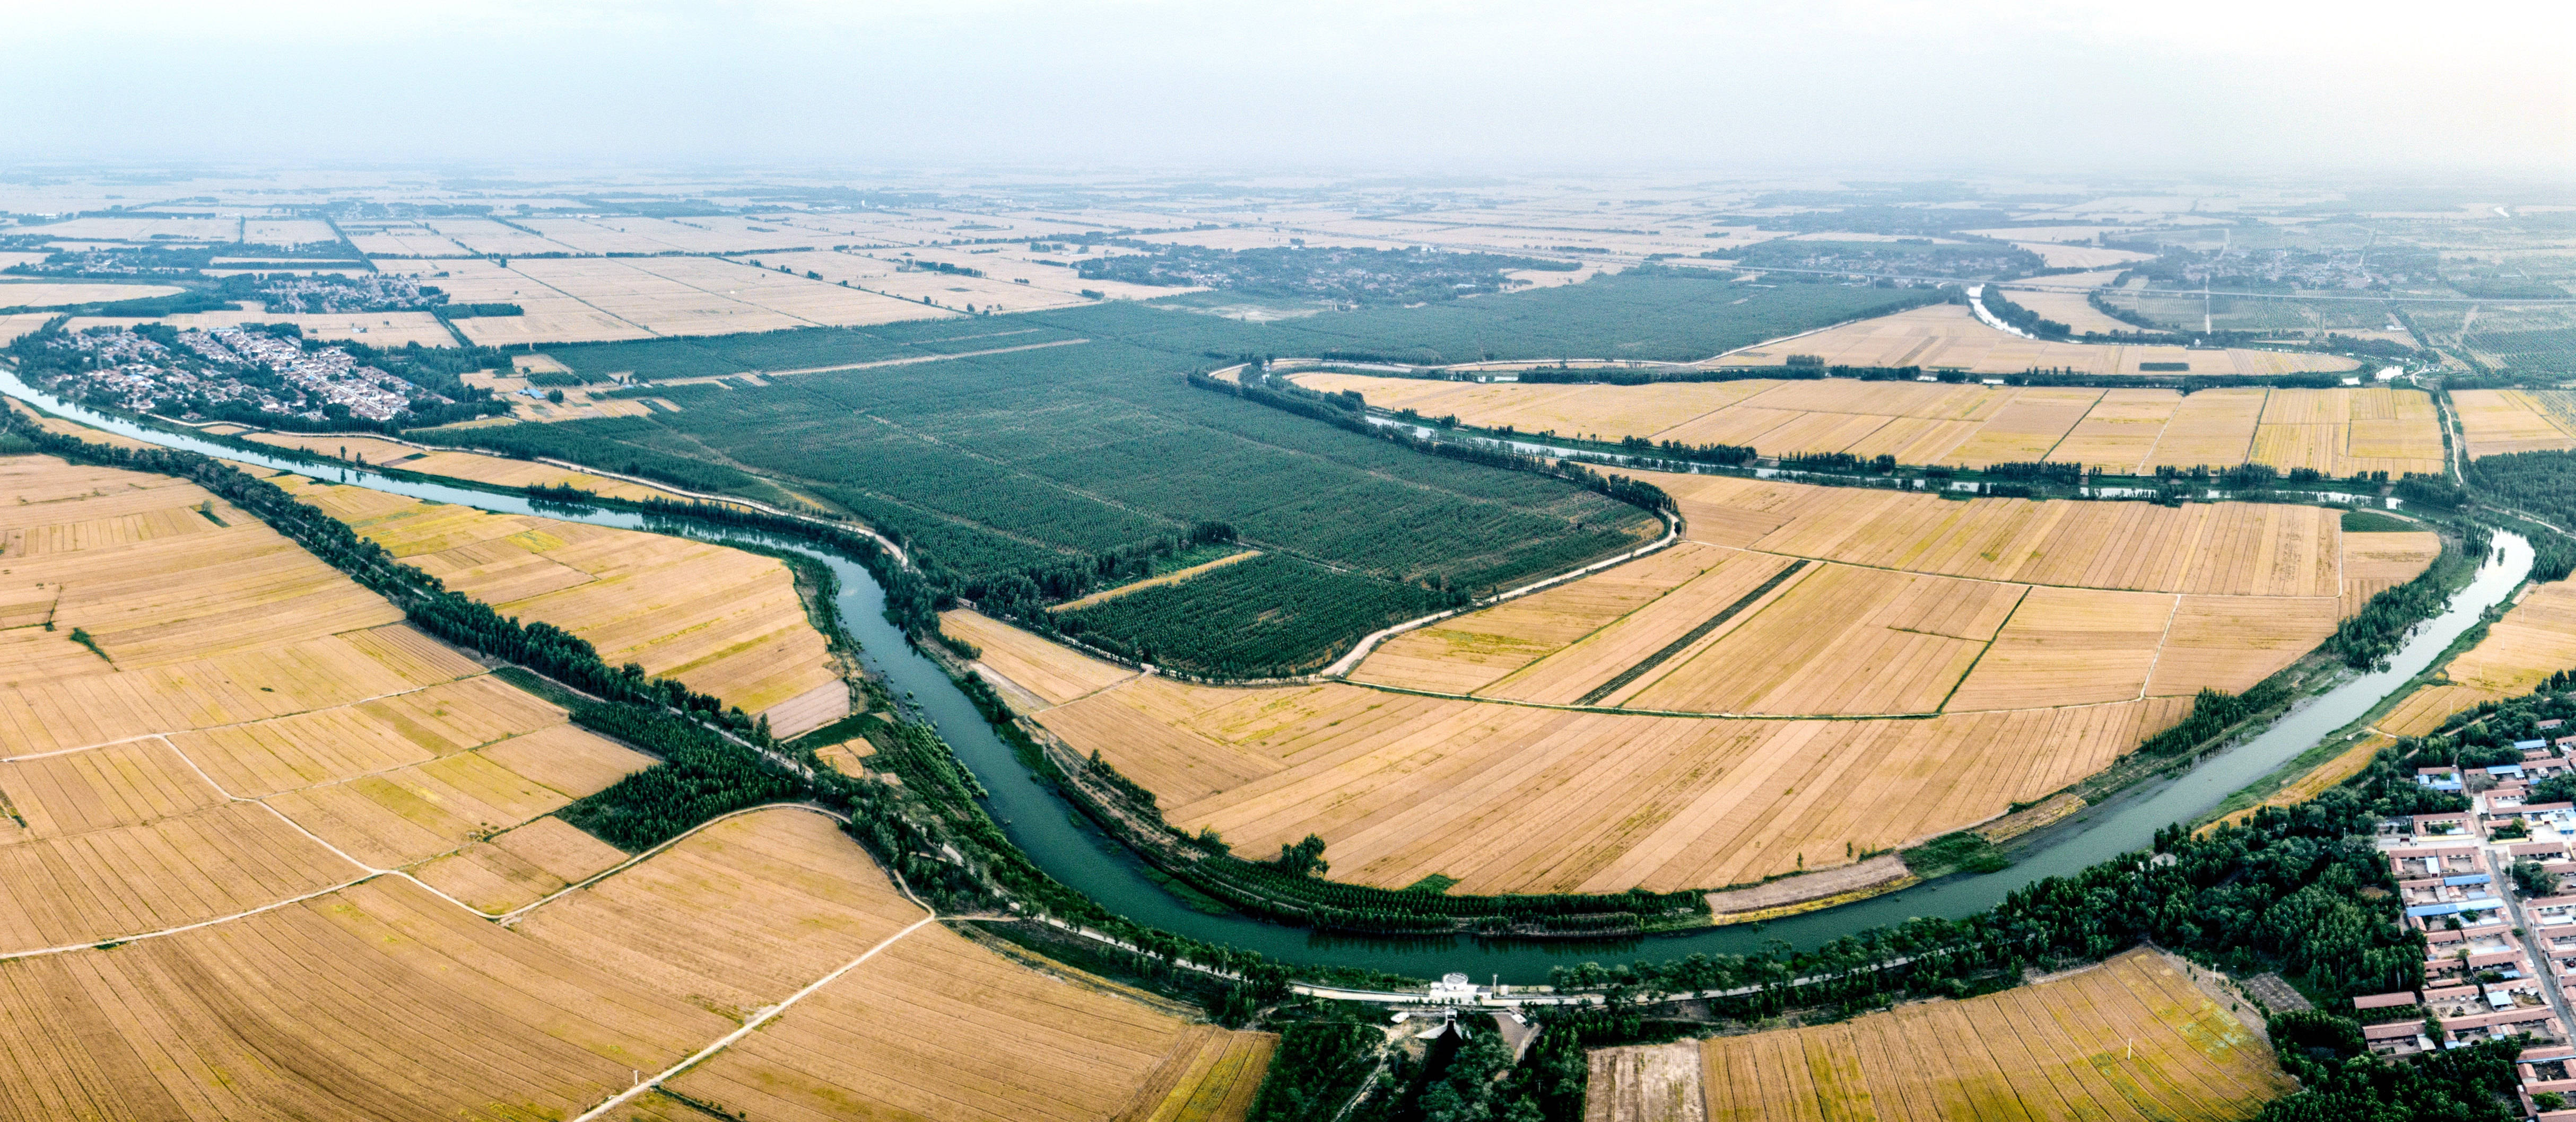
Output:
x=2455 y=876
x=220 y=366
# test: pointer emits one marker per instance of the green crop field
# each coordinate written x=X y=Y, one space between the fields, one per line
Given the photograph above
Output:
x=1269 y=615
x=1007 y=472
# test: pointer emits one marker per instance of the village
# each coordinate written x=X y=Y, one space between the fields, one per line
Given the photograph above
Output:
x=2493 y=890
x=209 y=368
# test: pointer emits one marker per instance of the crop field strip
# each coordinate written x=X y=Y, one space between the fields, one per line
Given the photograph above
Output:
x=2010 y=648
x=726 y=622
x=2336 y=431
x=2536 y=638
x=481 y=468
x=2501 y=421
x=1949 y=336
x=2128 y=1039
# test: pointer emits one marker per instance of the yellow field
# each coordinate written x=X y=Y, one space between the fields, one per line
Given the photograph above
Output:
x=2338 y=431
x=2130 y=1039
x=48 y=294
x=374 y=452
x=376 y=329
x=1053 y=672
x=726 y=622
x=914 y=1032
x=1981 y=653
x=379 y=1001
x=1949 y=337
x=2534 y=640
x=2499 y=421
x=2374 y=563
x=745 y=913
x=251 y=728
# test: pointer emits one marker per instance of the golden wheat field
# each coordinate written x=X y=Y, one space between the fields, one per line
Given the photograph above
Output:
x=243 y=727
x=940 y=1027
x=1949 y=337
x=1658 y=724
x=2133 y=1038
x=749 y=911
x=2535 y=639
x=2500 y=421
x=726 y=622
x=2336 y=431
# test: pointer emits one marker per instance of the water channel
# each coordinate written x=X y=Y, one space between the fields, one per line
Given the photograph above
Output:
x=1069 y=848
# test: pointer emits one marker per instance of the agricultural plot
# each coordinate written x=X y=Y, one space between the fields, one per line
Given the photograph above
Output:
x=910 y=1032
x=45 y=294
x=726 y=622
x=376 y=329
x=1949 y=337
x=374 y=452
x=2133 y=1038
x=2535 y=639
x=547 y=314
x=200 y=719
x=2336 y=431
x=251 y=1019
x=2502 y=421
x=747 y=912
x=1973 y=654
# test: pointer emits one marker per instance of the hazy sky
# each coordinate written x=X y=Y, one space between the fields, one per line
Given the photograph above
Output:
x=2173 y=86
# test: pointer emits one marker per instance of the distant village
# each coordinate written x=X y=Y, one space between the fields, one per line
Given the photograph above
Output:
x=206 y=369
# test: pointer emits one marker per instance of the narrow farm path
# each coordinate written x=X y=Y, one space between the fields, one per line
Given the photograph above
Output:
x=752 y=1024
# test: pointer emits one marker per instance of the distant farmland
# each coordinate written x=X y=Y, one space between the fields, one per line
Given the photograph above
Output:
x=2339 y=432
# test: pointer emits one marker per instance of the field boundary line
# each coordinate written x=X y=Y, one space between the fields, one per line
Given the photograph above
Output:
x=111 y=940
x=336 y=851
x=766 y=1015
x=2166 y=639
x=165 y=736
x=1341 y=667
x=913 y=360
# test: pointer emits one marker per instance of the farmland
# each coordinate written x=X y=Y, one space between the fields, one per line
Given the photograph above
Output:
x=2339 y=432
x=2536 y=638
x=2501 y=422
x=726 y=622
x=2133 y=1038
x=373 y=452
x=1949 y=337
x=1974 y=655
x=995 y=466
x=201 y=718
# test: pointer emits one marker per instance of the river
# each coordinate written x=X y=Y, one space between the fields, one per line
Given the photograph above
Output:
x=1071 y=849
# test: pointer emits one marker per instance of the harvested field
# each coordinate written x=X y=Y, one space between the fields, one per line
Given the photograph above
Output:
x=231 y=666
x=2132 y=1038
x=2533 y=640
x=44 y=294
x=2500 y=421
x=726 y=622
x=1053 y=672
x=379 y=1001
x=518 y=867
x=1949 y=337
x=2375 y=563
x=910 y=1032
x=2336 y=431
x=2030 y=643
x=504 y=471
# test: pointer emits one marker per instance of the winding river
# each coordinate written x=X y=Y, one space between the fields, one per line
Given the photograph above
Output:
x=1068 y=847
